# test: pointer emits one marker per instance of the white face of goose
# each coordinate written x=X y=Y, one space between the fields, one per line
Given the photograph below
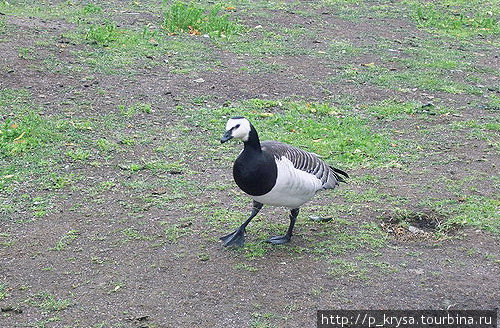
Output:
x=237 y=127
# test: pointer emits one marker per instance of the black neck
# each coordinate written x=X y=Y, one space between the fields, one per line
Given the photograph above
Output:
x=255 y=171
x=253 y=142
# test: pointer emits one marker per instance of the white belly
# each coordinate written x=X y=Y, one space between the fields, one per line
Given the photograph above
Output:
x=293 y=187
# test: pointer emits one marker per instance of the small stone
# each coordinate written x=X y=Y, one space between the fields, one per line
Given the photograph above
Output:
x=418 y=271
x=415 y=230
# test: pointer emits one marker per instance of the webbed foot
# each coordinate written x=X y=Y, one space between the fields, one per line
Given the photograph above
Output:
x=235 y=238
x=278 y=240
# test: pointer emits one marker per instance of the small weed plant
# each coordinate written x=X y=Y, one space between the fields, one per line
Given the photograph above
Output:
x=183 y=17
x=102 y=34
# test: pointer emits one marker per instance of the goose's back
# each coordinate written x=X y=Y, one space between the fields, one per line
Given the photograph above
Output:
x=304 y=161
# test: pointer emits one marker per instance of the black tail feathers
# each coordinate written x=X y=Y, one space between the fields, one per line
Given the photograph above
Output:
x=338 y=174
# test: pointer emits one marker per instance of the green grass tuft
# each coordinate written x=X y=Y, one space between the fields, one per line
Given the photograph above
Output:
x=90 y=8
x=3 y=292
x=132 y=110
x=65 y=240
x=173 y=232
x=49 y=303
x=493 y=102
x=78 y=154
x=183 y=17
x=102 y=34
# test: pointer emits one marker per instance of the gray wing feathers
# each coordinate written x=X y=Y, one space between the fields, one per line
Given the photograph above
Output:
x=303 y=160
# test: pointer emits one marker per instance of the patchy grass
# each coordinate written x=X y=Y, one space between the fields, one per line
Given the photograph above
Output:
x=245 y=266
x=338 y=49
x=49 y=303
x=28 y=137
x=325 y=129
x=255 y=250
x=485 y=129
x=189 y=18
x=3 y=292
x=264 y=44
x=6 y=239
x=417 y=64
x=62 y=10
x=65 y=240
x=78 y=154
x=343 y=268
x=173 y=232
x=414 y=77
x=392 y=109
x=25 y=132
x=476 y=211
x=134 y=234
x=90 y=9
x=369 y=236
x=366 y=243
x=102 y=34
x=141 y=49
x=145 y=108
x=458 y=17
x=3 y=26
x=493 y=102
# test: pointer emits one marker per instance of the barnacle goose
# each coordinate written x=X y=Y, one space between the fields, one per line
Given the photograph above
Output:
x=277 y=174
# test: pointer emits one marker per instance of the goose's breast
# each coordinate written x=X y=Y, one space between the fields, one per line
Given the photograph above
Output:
x=293 y=187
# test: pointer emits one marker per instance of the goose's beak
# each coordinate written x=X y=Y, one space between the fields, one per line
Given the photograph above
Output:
x=226 y=136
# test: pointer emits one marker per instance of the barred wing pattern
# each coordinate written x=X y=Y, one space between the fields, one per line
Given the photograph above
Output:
x=305 y=161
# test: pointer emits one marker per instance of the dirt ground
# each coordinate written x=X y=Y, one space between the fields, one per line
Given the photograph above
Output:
x=111 y=279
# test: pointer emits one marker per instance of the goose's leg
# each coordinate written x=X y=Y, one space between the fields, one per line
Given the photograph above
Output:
x=238 y=236
x=286 y=238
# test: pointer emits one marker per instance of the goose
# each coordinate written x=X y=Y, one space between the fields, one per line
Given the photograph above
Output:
x=276 y=174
